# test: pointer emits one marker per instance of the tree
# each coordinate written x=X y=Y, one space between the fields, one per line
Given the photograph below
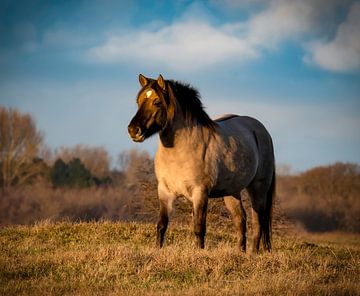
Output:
x=60 y=173
x=73 y=174
x=139 y=178
x=95 y=159
x=20 y=142
x=79 y=175
x=138 y=167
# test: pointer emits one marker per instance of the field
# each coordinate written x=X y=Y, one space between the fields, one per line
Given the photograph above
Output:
x=113 y=258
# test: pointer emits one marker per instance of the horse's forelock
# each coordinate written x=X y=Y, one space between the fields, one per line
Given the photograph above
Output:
x=168 y=98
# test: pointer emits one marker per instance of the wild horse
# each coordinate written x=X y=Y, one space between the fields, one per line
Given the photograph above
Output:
x=199 y=158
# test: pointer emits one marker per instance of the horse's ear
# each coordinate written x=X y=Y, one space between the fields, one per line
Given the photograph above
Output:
x=143 y=80
x=161 y=82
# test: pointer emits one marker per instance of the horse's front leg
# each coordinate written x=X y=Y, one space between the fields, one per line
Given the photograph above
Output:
x=162 y=224
x=200 y=202
x=166 y=200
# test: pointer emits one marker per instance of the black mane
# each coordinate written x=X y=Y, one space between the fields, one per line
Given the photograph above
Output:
x=188 y=98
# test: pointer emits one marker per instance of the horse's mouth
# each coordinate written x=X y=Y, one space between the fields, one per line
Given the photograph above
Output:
x=138 y=138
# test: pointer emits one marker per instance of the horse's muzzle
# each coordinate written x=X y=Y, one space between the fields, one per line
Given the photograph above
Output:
x=136 y=134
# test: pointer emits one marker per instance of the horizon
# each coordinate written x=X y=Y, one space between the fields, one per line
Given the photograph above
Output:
x=293 y=65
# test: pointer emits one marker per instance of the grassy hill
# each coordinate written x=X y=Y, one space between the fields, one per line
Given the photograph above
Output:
x=107 y=258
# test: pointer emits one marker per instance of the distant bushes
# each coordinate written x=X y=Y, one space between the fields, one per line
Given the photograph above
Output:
x=324 y=198
x=29 y=204
x=71 y=192
x=321 y=199
x=24 y=157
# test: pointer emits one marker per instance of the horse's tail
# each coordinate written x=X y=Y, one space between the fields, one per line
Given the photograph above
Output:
x=267 y=217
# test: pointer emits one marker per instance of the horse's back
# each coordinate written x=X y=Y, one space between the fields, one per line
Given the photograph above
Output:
x=252 y=130
x=245 y=123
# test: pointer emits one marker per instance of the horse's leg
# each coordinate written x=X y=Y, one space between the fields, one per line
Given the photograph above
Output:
x=200 y=202
x=162 y=224
x=256 y=231
x=238 y=215
x=258 y=203
x=166 y=200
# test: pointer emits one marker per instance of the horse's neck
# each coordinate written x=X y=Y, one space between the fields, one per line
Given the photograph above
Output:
x=181 y=137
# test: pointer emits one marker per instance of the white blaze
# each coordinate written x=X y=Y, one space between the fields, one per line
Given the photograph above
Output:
x=148 y=93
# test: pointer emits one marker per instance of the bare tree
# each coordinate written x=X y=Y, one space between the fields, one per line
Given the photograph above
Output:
x=139 y=167
x=20 y=142
x=123 y=161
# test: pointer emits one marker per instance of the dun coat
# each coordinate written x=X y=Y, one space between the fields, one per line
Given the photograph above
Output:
x=199 y=158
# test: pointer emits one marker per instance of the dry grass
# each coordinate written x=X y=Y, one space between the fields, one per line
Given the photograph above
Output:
x=107 y=258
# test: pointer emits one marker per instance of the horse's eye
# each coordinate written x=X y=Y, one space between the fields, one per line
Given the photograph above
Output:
x=157 y=103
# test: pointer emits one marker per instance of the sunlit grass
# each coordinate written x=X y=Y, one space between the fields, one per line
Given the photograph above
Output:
x=121 y=258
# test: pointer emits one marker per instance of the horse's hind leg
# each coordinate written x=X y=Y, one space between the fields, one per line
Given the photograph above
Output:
x=260 y=214
x=256 y=230
x=238 y=215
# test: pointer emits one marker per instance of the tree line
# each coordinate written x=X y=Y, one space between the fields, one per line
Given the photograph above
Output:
x=24 y=157
x=77 y=183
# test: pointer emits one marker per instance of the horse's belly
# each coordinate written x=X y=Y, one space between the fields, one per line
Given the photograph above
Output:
x=180 y=182
x=233 y=176
x=229 y=186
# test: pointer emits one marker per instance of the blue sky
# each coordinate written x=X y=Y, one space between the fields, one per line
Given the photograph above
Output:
x=294 y=65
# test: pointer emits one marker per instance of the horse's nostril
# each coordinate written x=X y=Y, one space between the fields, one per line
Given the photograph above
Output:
x=137 y=131
x=134 y=130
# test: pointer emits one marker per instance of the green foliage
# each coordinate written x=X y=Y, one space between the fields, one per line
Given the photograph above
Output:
x=74 y=174
x=79 y=175
x=59 y=173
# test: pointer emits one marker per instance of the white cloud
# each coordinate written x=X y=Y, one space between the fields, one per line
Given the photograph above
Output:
x=193 y=43
x=234 y=4
x=185 y=45
x=343 y=52
x=281 y=21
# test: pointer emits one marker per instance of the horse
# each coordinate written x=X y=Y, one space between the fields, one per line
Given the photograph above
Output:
x=199 y=158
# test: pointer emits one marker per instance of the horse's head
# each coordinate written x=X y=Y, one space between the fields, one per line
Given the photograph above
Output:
x=155 y=108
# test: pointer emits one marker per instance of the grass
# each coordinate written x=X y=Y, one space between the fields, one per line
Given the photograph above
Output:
x=107 y=258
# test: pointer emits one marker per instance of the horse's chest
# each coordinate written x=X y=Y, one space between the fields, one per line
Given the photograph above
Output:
x=178 y=176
